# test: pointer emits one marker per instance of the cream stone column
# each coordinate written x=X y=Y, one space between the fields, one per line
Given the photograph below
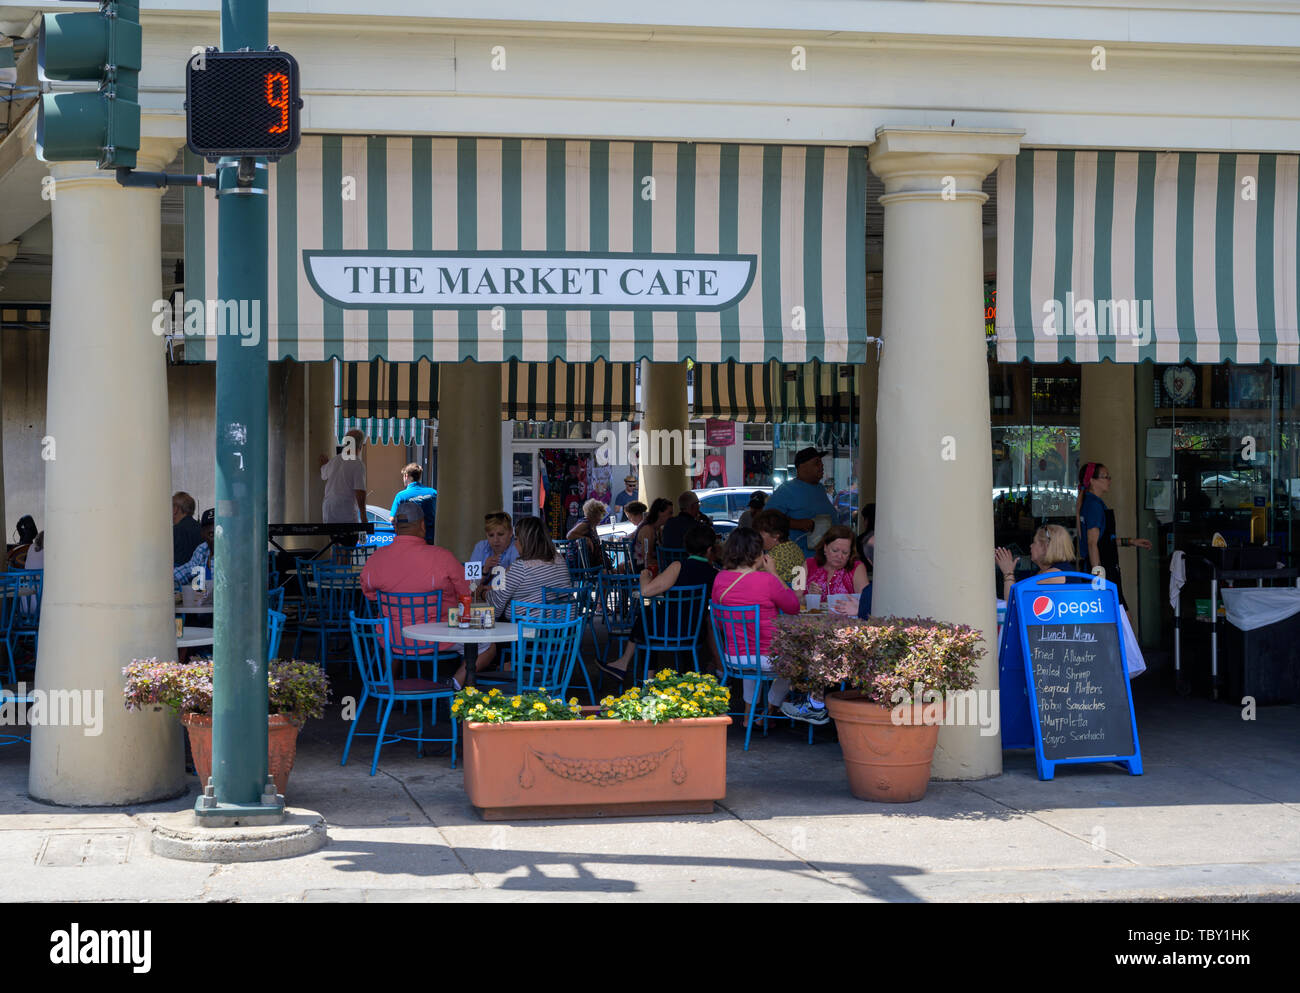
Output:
x=662 y=469
x=1107 y=434
x=469 y=452
x=108 y=565
x=934 y=524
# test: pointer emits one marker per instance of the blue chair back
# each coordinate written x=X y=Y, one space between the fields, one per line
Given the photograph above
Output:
x=374 y=655
x=546 y=653
x=27 y=607
x=525 y=611
x=620 y=599
x=275 y=599
x=404 y=609
x=274 y=628
x=10 y=587
x=336 y=592
x=618 y=554
x=735 y=631
x=666 y=555
x=583 y=598
x=672 y=620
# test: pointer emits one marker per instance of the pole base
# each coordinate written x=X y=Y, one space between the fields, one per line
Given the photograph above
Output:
x=185 y=836
x=212 y=813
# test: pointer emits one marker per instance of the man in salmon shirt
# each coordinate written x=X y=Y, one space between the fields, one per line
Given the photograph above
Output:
x=408 y=565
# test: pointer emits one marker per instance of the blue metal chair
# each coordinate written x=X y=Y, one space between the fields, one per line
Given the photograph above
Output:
x=584 y=602
x=26 y=621
x=10 y=698
x=671 y=622
x=738 y=626
x=274 y=629
x=618 y=554
x=371 y=643
x=331 y=594
x=521 y=611
x=10 y=585
x=545 y=654
x=404 y=609
x=620 y=601
x=665 y=555
x=275 y=599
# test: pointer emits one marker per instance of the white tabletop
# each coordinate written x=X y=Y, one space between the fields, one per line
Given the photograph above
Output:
x=196 y=609
x=504 y=631
x=194 y=637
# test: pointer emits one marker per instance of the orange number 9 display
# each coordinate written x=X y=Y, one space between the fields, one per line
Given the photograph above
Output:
x=277 y=95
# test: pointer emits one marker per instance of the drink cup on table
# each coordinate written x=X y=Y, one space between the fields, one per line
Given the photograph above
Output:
x=814 y=601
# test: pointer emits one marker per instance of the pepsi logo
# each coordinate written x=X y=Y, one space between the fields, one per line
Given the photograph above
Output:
x=1043 y=608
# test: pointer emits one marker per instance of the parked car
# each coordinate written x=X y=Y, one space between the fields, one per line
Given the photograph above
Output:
x=383 y=522
x=727 y=503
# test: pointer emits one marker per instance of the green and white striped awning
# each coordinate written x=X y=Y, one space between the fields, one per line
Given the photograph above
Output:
x=385 y=430
x=1148 y=256
x=395 y=397
x=709 y=251
x=815 y=392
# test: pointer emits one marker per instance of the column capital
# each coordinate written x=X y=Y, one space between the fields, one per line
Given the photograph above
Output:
x=921 y=159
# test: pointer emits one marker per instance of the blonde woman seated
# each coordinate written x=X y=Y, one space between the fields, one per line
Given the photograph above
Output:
x=593 y=512
x=1051 y=550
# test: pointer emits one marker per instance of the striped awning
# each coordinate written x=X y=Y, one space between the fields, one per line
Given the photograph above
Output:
x=395 y=393
x=815 y=392
x=385 y=430
x=497 y=249
x=1148 y=256
x=562 y=391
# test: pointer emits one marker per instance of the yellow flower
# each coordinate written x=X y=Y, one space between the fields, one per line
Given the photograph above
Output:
x=573 y=701
x=591 y=717
x=494 y=692
x=539 y=706
x=470 y=691
x=455 y=706
x=516 y=701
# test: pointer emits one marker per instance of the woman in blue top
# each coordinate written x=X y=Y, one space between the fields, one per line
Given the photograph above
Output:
x=1098 y=545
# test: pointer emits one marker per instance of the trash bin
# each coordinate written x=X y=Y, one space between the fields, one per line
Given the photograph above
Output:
x=1259 y=648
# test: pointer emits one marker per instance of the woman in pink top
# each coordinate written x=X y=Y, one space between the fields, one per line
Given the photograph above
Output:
x=835 y=567
x=748 y=577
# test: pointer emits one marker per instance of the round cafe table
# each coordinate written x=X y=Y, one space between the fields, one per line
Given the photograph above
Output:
x=442 y=631
x=196 y=609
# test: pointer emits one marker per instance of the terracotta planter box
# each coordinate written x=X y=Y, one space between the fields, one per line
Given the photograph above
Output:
x=533 y=769
x=281 y=747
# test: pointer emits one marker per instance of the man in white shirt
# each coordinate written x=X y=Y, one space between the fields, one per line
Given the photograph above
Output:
x=345 y=483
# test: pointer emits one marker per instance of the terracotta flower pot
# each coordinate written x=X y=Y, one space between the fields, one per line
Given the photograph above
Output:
x=885 y=761
x=281 y=747
x=584 y=768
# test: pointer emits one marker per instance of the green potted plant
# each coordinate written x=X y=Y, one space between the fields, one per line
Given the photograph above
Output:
x=661 y=748
x=899 y=671
x=296 y=691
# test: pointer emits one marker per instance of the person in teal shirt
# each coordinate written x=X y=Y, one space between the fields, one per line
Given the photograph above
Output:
x=802 y=499
x=426 y=497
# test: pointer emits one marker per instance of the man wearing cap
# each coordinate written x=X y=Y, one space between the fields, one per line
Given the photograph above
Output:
x=202 y=554
x=802 y=499
x=623 y=499
x=345 y=483
x=409 y=565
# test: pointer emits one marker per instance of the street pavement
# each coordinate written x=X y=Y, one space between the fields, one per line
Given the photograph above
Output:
x=1215 y=816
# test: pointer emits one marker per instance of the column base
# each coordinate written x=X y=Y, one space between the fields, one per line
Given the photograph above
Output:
x=186 y=837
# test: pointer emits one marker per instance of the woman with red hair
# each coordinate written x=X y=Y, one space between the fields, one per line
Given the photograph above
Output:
x=1098 y=545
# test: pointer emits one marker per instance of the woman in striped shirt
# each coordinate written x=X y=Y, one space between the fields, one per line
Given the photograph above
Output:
x=539 y=565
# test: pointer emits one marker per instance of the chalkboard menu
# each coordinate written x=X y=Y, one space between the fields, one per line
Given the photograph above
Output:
x=1062 y=673
x=1081 y=690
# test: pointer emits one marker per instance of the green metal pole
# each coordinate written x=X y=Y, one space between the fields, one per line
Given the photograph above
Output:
x=239 y=691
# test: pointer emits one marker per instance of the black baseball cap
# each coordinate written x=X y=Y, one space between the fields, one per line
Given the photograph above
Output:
x=807 y=455
x=209 y=517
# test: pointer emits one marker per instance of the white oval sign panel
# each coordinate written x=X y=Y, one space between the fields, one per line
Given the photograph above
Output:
x=405 y=280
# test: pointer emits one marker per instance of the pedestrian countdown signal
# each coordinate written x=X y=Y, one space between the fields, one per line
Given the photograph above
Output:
x=242 y=103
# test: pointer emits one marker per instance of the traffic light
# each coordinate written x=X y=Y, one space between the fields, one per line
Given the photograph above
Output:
x=101 y=46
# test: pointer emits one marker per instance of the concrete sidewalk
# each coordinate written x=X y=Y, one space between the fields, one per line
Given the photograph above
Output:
x=1216 y=816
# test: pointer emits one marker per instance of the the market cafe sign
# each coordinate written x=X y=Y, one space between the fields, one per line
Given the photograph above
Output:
x=401 y=280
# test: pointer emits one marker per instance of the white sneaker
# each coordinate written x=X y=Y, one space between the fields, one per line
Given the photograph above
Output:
x=805 y=711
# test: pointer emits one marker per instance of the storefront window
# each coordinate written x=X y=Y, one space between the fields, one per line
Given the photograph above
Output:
x=1035 y=419
x=840 y=442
